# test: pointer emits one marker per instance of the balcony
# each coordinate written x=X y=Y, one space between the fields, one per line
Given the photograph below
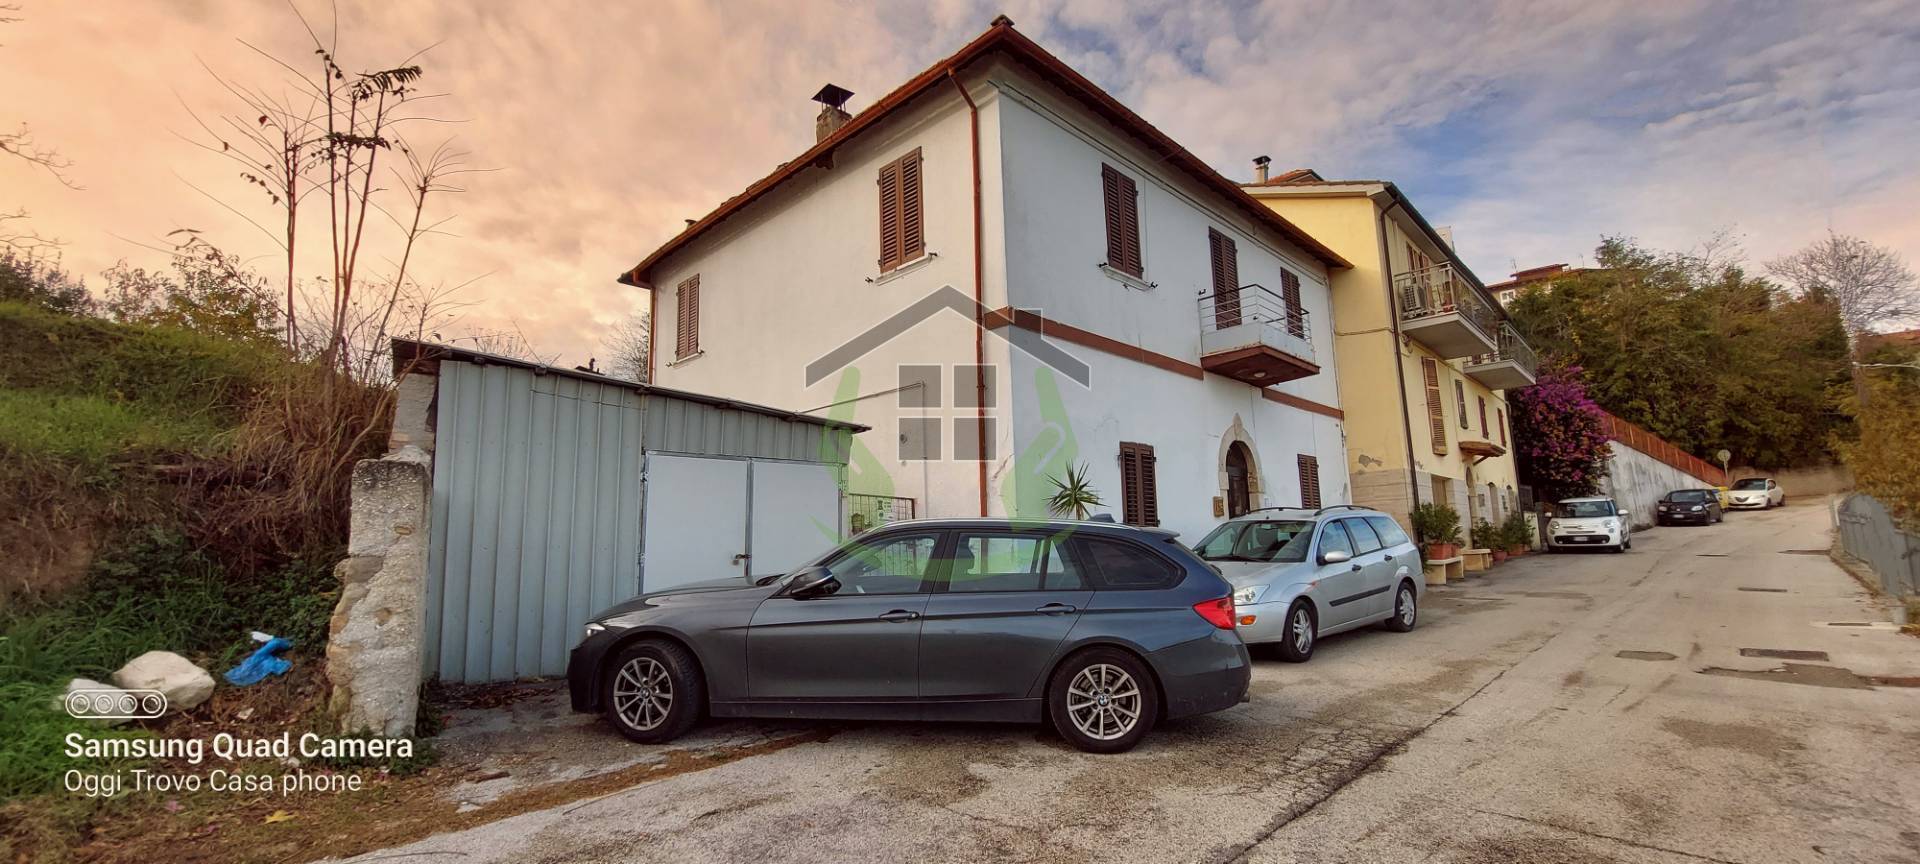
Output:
x=1252 y=335
x=1442 y=310
x=1508 y=367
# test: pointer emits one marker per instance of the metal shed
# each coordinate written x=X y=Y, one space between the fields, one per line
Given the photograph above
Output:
x=558 y=492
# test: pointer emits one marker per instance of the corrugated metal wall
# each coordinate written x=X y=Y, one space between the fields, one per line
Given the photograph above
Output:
x=537 y=506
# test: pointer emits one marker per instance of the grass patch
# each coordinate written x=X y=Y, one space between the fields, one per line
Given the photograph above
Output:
x=156 y=594
x=93 y=432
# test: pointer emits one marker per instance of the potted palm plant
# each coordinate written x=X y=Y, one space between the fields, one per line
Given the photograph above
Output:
x=1438 y=527
x=1074 y=495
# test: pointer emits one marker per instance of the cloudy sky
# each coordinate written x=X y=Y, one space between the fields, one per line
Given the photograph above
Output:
x=1532 y=128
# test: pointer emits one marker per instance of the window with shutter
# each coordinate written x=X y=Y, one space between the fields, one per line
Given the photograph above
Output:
x=902 y=219
x=686 y=332
x=1309 y=482
x=1290 y=292
x=1483 y=416
x=1500 y=416
x=1122 y=202
x=1460 y=403
x=1139 y=489
x=1225 y=258
x=1436 y=419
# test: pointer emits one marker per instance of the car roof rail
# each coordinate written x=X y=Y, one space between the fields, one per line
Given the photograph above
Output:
x=1265 y=509
x=1341 y=507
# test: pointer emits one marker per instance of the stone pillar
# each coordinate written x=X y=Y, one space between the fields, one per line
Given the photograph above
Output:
x=374 y=639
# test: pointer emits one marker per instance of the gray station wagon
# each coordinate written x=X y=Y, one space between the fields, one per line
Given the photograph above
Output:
x=1302 y=574
x=1099 y=629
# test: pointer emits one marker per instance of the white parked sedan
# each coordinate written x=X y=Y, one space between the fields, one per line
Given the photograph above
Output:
x=1756 y=493
x=1591 y=523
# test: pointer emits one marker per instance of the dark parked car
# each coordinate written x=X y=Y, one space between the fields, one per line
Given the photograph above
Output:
x=1683 y=506
x=1100 y=629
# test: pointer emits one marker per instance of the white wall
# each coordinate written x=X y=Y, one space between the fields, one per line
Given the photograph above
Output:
x=787 y=280
x=1637 y=481
x=1185 y=421
x=1056 y=237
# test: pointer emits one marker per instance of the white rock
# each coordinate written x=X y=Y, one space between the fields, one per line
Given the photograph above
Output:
x=95 y=688
x=184 y=684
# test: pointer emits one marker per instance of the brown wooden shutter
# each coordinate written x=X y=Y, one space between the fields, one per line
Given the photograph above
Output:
x=1309 y=482
x=1290 y=292
x=1460 y=403
x=1225 y=258
x=1501 y=416
x=913 y=233
x=1122 y=200
x=1483 y=416
x=1436 y=418
x=686 y=332
x=1139 y=488
x=902 y=215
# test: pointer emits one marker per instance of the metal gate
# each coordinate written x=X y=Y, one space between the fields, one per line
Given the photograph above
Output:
x=711 y=518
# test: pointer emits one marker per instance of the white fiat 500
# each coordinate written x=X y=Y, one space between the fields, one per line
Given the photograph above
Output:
x=1589 y=523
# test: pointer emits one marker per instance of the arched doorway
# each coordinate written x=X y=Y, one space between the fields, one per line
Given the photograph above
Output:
x=1239 y=469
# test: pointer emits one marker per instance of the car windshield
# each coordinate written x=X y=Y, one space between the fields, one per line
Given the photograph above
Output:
x=1586 y=509
x=1751 y=483
x=1688 y=496
x=1258 y=540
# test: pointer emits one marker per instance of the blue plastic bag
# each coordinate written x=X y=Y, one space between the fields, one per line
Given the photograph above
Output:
x=261 y=664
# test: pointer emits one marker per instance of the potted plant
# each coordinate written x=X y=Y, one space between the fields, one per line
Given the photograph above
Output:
x=1517 y=532
x=1486 y=535
x=1073 y=496
x=1438 y=527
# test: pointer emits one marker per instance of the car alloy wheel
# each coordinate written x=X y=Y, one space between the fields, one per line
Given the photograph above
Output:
x=1103 y=700
x=1406 y=610
x=653 y=691
x=1296 y=644
x=642 y=693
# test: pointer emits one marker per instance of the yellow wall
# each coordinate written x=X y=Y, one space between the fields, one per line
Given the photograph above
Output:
x=1377 y=429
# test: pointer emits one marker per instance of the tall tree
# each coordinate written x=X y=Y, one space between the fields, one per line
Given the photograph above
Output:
x=1869 y=284
x=628 y=345
x=1697 y=351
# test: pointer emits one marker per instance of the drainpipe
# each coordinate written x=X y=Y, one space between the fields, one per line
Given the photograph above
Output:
x=979 y=291
x=1399 y=368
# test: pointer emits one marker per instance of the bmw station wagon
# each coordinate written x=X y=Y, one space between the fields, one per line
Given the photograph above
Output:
x=1099 y=629
x=1302 y=574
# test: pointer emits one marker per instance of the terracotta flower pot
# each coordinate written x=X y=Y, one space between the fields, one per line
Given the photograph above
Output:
x=1499 y=555
x=1441 y=551
x=1516 y=551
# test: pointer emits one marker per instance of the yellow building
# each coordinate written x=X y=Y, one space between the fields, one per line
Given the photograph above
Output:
x=1424 y=352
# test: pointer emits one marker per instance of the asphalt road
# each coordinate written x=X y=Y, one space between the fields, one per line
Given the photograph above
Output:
x=1568 y=708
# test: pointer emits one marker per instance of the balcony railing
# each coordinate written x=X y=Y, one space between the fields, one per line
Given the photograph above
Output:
x=1512 y=349
x=1254 y=335
x=1441 y=308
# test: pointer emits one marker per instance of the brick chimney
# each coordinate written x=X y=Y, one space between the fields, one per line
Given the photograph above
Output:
x=833 y=111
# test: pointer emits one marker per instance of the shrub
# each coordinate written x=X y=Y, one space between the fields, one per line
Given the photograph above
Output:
x=1485 y=536
x=1886 y=459
x=1517 y=529
x=1558 y=440
x=1434 y=522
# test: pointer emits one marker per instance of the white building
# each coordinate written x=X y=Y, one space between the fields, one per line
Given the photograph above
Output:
x=1006 y=178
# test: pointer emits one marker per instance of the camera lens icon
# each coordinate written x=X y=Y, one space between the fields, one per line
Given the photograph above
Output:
x=116 y=704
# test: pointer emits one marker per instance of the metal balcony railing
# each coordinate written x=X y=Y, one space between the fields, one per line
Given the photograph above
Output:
x=1511 y=348
x=1253 y=304
x=1439 y=290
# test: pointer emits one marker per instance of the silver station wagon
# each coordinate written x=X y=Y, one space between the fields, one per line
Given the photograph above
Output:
x=1302 y=574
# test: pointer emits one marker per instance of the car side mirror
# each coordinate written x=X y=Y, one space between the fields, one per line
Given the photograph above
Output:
x=1625 y=513
x=812 y=582
x=1335 y=556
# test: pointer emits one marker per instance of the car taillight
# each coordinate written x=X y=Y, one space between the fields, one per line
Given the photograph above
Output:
x=1219 y=612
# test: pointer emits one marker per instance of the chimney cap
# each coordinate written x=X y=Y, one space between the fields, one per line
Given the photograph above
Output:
x=1261 y=160
x=833 y=96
